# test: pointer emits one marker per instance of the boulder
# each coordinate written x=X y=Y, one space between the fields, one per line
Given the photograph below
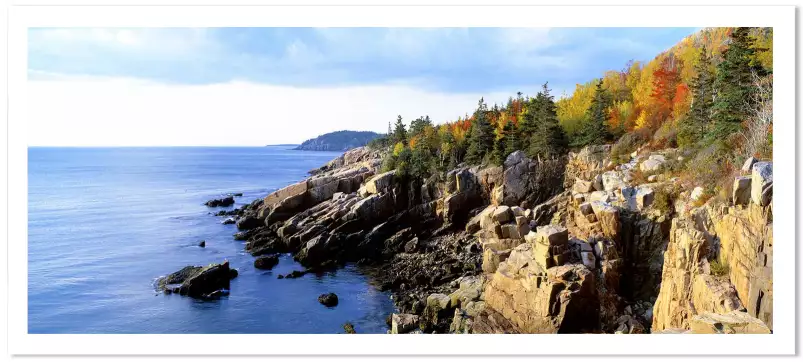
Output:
x=651 y=165
x=696 y=193
x=492 y=257
x=644 y=197
x=612 y=180
x=601 y=196
x=226 y=201
x=748 y=164
x=609 y=219
x=761 y=184
x=249 y=222
x=202 y=243
x=586 y=209
x=502 y=214
x=742 y=190
x=582 y=186
x=198 y=281
x=597 y=183
x=328 y=299
x=403 y=323
x=266 y=262
x=561 y=299
x=379 y=183
x=438 y=307
x=550 y=246
x=730 y=323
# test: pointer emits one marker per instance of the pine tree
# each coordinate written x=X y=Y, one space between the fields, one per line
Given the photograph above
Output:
x=481 y=141
x=595 y=129
x=399 y=132
x=418 y=125
x=504 y=144
x=697 y=121
x=548 y=139
x=734 y=85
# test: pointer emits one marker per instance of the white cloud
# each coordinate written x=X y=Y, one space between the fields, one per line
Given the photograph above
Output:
x=92 y=111
x=156 y=42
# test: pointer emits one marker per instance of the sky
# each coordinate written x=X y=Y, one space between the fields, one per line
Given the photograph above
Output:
x=258 y=86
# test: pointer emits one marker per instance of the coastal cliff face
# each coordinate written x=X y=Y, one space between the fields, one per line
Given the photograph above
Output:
x=568 y=245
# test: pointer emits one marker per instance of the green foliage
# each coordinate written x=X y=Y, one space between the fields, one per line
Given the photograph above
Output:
x=708 y=165
x=418 y=125
x=734 y=85
x=481 y=141
x=502 y=147
x=697 y=122
x=664 y=199
x=719 y=268
x=595 y=129
x=379 y=143
x=399 y=132
x=548 y=139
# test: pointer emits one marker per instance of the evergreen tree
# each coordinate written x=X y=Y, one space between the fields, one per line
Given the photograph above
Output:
x=504 y=144
x=399 y=132
x=595 y=129
x=734 y=85
x=418 y=125
x=549 y=138
x=481 y=141
x=696 y=123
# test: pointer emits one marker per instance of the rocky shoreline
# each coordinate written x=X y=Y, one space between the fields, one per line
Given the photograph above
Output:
x=568 y=245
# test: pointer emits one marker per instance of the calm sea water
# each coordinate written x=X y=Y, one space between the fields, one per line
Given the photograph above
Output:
x=103 y=223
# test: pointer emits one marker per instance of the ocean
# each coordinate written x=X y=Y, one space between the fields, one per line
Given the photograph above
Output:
x=104 y=223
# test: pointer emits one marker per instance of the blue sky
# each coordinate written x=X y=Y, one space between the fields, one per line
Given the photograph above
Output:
x=444 y=59
x=456 y=64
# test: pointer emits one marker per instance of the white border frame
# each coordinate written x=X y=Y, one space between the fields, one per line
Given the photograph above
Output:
x=781 y=18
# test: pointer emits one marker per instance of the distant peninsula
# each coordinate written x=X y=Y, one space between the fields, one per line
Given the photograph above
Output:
x=338 y=141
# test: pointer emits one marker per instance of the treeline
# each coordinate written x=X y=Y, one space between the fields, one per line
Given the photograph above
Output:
x=706 y=93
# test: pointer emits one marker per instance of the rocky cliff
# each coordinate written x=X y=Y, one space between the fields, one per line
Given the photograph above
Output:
x=568 y=245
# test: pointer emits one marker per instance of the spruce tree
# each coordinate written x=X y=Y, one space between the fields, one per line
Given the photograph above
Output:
x=595 y=129
x=697 y=121
x=734 y=85
x=481 y=141
x=548 y=139
x=399 y=132
x=504 y=144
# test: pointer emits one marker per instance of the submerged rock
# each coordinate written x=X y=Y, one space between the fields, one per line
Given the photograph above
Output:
x=266 y=262
x=328 y=299
x=226 y=201
x=199 y=281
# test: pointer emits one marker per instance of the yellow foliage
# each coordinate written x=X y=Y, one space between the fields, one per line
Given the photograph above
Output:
x=642 y=119
x=398 y=149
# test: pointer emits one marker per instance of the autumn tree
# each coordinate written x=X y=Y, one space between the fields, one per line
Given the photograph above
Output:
x=665 y=80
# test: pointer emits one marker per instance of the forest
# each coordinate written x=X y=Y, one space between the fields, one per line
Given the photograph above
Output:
x=710 y=95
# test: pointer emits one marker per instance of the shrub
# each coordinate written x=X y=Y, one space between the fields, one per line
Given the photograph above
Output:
x=665 y=136
x=664 y=199
x=719 y=268
x=709 y=165
x=629 y=142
